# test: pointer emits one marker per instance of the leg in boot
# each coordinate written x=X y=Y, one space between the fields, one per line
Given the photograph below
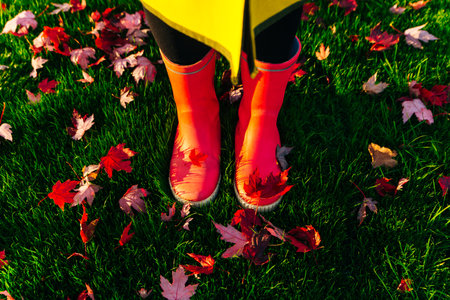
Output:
x=194 y=168
x=257 y=134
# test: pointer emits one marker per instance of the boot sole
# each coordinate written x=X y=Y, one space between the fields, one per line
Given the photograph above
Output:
x=197 y=203
x=262 y=209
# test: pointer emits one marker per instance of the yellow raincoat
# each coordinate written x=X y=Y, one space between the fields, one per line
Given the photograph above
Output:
x=222 y=24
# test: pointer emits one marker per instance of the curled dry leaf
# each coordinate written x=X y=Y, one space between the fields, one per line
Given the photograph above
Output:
x=125 y=237
x=207 y=263
x=86 y=78
x=79 y=255
x=419 y=4
x=37 y=63
x=362 y=212
x=304 y=238
x=185 y=210
x=133 y=198
x=88 y=293
x=396 y=10
x=177 y=290
x=281 y=156
x=87 y=230
x=372 y=88
x=144 y=70
x=382 y=156
x=126 y=96
x=167 y=217
x=60 y=8
x=143 y=293
x=186 y=224
x=3 y=67
x=5 y=131
x=323 y=53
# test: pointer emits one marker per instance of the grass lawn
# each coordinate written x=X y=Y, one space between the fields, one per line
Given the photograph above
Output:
x=326 y=117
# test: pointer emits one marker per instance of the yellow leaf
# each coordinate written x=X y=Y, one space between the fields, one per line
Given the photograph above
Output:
x=323 y=53
x=382 y=156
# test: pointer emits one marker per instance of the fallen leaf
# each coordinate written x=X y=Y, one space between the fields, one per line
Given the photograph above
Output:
x=86 y=78
x=419 y=4
x=37 y=63
x=60 y=8
x=396 y=10
x=309 y=9
x=382 y=156
x=281 y=156
x=371 y=88
x=143 y=293
x=416 y=107
x=196 y=157
x=133 y=198
x=77 y=5
x=381 y=40
x=177 y=290
x=87 y=230
x=125 y=237
x=3 y=67
x=186 y=224
x=207 y=263
x=323 y=53
x=297 y=73
x=81 y=56
x=232 y=235
x=185 y=210
x=52 y=39
x=120 y=64
x=438 y=95
x=414 y=35
x=8 y=296
x=144 y=70
x=61 y=192
x=405 y=285
x=3 y=261
x=362 y=212
x=274 y=230
x=85 y=191
x=349 y=5
x=116 y=159
x=88 y=292
x=167 y=217
x=48 y=86
x=90 y=172
x=24 y=20
x=248 y=219
x=255 y=249
x=126 y=96
x=81 y=125
x=5 y=131
x=304 y=238
x=444 y=182
x=33 y=98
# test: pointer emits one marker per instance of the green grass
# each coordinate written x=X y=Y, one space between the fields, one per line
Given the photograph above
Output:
x=330 y=126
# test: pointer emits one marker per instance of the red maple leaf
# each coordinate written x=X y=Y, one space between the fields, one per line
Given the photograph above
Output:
x=77 y=5
x=248 y=219
x=383 y=187
x=271 y=186
x=254 y=250
x=309 y=9
x=56 y=40
x=196 y=157
x=61 y=192
x=3 y=261
x=177 y=289
x=116 y=159
x=48 y=86
x=88 y=292
x=125 y=237
x=438 y=95
x=381 y=40
x=349 y=5
x=304 y=238
x=207 y=263
x=444 y=182
x=297 y=73
x=87 y=229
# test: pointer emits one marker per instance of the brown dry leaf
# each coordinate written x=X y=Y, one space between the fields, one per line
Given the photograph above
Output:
x=382 y=156
x=419 y=4
x=323 y=53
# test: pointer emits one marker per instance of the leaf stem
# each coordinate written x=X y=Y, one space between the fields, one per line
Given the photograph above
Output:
x=358 y=189
x=3 y=110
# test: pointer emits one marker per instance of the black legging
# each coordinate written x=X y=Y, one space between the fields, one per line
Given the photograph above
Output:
x=273 y=45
